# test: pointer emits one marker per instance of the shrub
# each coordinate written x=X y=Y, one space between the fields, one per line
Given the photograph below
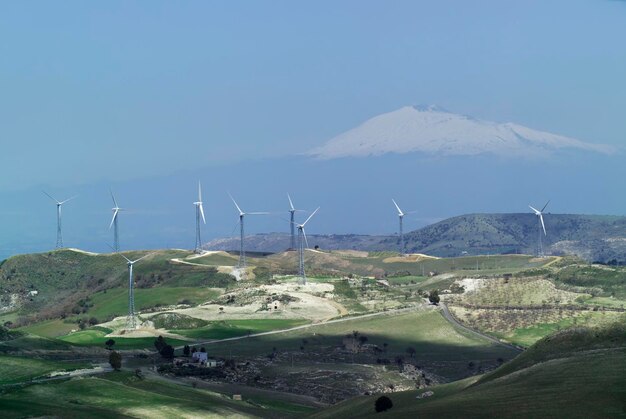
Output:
x=383 y=403
x=115 y=359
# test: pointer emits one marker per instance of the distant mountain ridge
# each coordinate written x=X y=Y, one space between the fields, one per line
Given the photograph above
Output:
x=592 y=237
x=433 y=130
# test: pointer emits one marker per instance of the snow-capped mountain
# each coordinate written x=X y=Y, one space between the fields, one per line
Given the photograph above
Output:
x=433 y=130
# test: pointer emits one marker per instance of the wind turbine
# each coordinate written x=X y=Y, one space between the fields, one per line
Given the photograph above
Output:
x=131 y=321
x=59 y=205
x=292 y=222
x=116 y=210
x=242 y=253
x=401 y=234
x=199 y=214
x=542 y=227
x=302 y=240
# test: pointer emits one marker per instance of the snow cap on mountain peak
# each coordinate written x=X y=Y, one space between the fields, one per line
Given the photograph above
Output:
x=431 y=129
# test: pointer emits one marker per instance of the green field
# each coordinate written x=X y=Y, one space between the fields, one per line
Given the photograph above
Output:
x=50 y=328
x=19 y=369
x=233 y=328
x=114 y=302
x=576 y=374
x=96 y=337
x=124 y=395
x=433 y=338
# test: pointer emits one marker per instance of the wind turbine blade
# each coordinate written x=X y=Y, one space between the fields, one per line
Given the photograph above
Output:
x=535 y=209
x=290 y=203
x=68 y=199
x=114 y=217
x=305 y=239
x=199 y=192
x=310 y=216
x=544 y=207
x=400 y=213
x=202 y=212
x=116 y=252
x=543 y=225
x=235 y=202
x=50 y=196
x=114 y=201
x=143 y=257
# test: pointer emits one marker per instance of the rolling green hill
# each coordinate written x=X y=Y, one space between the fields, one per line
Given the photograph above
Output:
x=577 y=373
x=66 y=283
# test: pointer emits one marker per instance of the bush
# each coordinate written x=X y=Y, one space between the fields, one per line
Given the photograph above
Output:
x=167 y=352
x=383 y=403
x=109 y=343
x=115 y=359
x=433 y=297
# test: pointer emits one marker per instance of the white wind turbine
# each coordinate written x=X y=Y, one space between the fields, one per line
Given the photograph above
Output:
x=292 y=223
x=401 y=215
x=131 y=321
x=116 y=210
x=59 y=205
x=542 y=228
x=199 y=215
x=302 y=241
x=242 y=253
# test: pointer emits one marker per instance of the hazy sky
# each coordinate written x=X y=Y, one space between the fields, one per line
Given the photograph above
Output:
x=107 y=93
x=118 y=90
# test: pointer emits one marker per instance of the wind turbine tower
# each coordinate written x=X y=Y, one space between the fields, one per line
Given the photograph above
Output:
x=292 y=223
x=199 y=215
x=401 y=234
x=59 y=223
x=131 y=320
x=241 y=265
x=302 y=241
x=116 y=210
x=542 y=229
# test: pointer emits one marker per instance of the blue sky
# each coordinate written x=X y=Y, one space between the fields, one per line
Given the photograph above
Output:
x=120 y=94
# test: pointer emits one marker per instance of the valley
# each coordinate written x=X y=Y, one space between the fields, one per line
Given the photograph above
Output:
x=361 y=325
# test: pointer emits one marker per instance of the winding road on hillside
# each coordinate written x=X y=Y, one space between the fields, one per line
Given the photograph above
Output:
x=452 y=320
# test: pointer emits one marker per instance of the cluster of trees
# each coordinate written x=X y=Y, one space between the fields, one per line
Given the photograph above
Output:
x=166 y=351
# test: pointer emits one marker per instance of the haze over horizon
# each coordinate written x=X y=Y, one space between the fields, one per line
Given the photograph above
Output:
x=148 y=98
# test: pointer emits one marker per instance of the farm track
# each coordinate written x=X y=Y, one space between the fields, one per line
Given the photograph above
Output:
x=306 y=326
x=573 y=307
x=71 y=374
x=452 y=320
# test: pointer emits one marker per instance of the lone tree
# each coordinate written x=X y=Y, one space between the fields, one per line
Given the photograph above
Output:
x=159 y=343
x=383 y=403
x=109 y=343
x=186 y=350
x=433 y=297
x=167 y=352
x=115 y=359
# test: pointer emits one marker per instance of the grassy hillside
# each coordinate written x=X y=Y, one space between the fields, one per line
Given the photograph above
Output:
x=589 y=236
x=66 y=283
x=578 y=373
x=121 y=394
x=438 y=345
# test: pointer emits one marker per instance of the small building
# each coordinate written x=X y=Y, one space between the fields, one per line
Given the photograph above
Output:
x=200 y=356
